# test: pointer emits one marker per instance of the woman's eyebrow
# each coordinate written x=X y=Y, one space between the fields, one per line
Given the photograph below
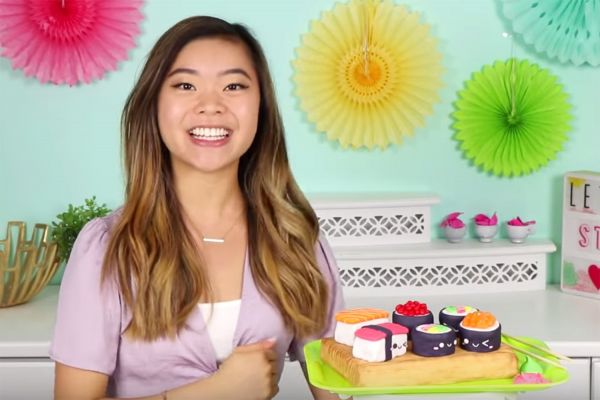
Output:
x=235 y=71
x=192 y=71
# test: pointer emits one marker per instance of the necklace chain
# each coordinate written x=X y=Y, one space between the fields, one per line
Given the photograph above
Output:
x=221 y=240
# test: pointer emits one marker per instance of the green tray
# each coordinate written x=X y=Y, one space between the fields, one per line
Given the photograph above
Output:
x=325 y=377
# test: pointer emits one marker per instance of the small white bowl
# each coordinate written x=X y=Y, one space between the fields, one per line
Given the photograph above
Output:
x=486 y=233
x=518 y=233
x=454 y=235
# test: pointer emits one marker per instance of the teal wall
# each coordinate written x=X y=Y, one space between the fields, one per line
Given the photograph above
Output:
x=60 y=144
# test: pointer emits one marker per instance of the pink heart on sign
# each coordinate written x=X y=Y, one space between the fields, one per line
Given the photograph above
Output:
x=594 y=273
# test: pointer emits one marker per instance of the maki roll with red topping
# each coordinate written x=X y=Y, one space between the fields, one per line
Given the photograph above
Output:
x=412 y=314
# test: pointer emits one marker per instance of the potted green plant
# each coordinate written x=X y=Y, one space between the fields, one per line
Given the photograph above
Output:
x=70 y=223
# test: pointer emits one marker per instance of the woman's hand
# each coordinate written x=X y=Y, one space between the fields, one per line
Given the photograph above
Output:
x=250 y=372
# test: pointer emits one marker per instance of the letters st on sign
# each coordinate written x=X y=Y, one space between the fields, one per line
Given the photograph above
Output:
x=580 y=270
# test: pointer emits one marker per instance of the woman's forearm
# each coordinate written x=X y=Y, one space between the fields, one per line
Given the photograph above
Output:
x=204 y=389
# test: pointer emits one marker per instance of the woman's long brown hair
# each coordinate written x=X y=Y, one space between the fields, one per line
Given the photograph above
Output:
x=152 y=254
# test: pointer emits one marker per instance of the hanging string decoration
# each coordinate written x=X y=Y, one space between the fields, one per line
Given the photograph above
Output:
x=512 y=118
x=68 y=41
x=368 y=72
x=567 y=30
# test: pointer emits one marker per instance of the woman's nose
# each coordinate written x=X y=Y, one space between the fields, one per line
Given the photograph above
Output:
x=209 y=103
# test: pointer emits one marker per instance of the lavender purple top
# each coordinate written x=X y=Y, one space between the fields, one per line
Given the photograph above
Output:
x=90 y=324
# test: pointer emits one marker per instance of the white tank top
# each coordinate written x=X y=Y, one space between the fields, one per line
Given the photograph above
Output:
x=221 y=325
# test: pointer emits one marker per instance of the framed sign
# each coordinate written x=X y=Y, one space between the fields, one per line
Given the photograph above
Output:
x=580 y=263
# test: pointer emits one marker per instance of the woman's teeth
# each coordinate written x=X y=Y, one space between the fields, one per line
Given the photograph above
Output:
x=209 y=133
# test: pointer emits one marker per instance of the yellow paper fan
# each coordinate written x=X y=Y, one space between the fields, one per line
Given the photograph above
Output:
x=368 y=73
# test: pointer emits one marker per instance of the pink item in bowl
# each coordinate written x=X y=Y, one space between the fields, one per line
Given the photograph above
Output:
x=454 y=228
x=484 y=220
x=519 y=222
x=518 y=229
x=453 y=221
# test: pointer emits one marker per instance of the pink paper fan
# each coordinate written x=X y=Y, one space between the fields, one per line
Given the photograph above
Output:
x=68 y=41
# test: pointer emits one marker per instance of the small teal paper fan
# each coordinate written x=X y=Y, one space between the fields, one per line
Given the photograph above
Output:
x=567 y=30
x=512 y=117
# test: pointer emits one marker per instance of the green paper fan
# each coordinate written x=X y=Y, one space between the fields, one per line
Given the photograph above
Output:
x=512 y=118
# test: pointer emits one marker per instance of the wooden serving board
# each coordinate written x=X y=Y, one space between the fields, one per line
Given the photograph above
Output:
x=411 y=369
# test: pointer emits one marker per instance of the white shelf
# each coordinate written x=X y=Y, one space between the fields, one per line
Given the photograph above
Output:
x=440 y=248
x=440 y=267
x=371 y=200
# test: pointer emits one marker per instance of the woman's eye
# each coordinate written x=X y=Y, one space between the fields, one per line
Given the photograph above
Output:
x=185 y=86
x=235 y=86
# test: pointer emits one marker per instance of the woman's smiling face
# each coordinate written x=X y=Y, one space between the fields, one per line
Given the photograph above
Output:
x=208 y=105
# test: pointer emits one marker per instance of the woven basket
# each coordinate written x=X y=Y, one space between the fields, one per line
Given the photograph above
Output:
x=26 y=266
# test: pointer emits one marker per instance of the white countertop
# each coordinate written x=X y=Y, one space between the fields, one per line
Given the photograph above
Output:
x=569 y=324
x=26 y=329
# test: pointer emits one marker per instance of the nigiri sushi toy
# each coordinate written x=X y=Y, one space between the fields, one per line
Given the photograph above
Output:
x=381 y=342
x=351 y=320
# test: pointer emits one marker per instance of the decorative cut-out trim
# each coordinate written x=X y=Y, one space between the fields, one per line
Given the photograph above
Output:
x=439 y=275
x=378 y=225
x=382 y=275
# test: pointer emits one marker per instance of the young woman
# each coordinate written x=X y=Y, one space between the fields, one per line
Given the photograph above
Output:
x=213 y=269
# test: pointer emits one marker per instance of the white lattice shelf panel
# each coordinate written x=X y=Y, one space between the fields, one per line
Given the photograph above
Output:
x=439 y=267
x=375 y=219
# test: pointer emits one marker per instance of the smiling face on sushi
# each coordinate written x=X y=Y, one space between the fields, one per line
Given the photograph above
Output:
x=441 y=346
x=398 y=345
x=445 y=343
x=434 y=340
x=480 y=340
x=480 y=332
x=474 y=344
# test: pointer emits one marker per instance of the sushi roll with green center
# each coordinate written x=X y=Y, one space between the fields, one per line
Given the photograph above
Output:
x=453 y=315
x=433 y=340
